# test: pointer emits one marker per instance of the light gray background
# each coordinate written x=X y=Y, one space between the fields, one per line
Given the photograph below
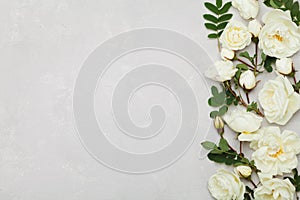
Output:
x=43 y=44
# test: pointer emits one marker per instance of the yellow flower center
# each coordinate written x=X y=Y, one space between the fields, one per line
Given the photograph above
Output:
x=278 y=153
x=278 y=37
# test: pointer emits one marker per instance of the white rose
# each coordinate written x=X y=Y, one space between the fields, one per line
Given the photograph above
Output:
x=280 y=37
x=243 y=171
x=254 y=27
x=225 y=185
x=275 y=189
x=227 y=54
x=247 y=80
x=276 y=153
x=284 y=65
x=235 y=36
x=221 y=71
x=279 y=100
x=241 y=121
x=247 y=8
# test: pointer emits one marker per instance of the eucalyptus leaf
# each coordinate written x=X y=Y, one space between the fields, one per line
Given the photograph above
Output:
x=208 y=145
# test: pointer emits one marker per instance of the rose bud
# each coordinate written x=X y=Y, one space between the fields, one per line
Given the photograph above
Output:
x=284 y=66
x=243 y=171
x=247 y=80
x=219 y=125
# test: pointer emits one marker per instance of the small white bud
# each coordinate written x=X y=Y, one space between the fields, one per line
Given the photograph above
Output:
x=219 y=125
x=243 y=171
x=247 y=80
x=284 y=66
x=254 y=27
x=227 y=54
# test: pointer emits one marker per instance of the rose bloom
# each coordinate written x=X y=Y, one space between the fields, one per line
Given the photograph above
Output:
x=235 y=36
x=276 y=153
x=241 y=121
x=275 y=189
x=225 y=185
x=279 y=37
x=279 y=100
x=221 y=71
x=247 y=8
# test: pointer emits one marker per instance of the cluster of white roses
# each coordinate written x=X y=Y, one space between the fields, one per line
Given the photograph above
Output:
x=275 y=153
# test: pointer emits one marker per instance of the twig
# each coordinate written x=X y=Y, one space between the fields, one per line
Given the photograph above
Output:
x=256 y=57
x=251 y=181
x=241 y=101
x=241 y=147
x=248 y=99
x=250 y=66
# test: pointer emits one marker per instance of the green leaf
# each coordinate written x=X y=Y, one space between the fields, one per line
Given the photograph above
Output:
x=252 y=107
x=211 y=26
x=223 y=144
x=268 y=63
x=223 y=110
x=222 y=25
x=242 y=67
x=245 y=54
x=289 y=4
x=219 y=3
x=208 y=145
x=295 y=9
x=225 y=17
x=211 y=18
x=225 y=8
x=263 y=56
x=215 y=101
x=212 y=7
x=214 y=91
x=213 y=35
x=214 y=114
x=273 y=4
x=220 y=33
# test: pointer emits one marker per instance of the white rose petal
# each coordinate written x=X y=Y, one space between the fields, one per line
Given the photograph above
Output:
x=241 y=121
x=227 y=54
x=276 y=153
x=225 y=185
x=254 y=27
x=221 y=71
x=243 y=171
x=247 y=80
x=275 y=189
x=279 y=100
x=247 y=8
x=284 y=65
x=235 y=36
x=279 y=37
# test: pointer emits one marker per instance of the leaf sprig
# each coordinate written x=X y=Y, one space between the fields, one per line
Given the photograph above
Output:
x=284 y=5
x=218 y=100
x=219 y=18
x=223 y=153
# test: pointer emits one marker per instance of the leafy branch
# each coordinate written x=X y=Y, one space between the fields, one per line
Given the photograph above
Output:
x=284 y=5
x=218 y=20
x=224 y=153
